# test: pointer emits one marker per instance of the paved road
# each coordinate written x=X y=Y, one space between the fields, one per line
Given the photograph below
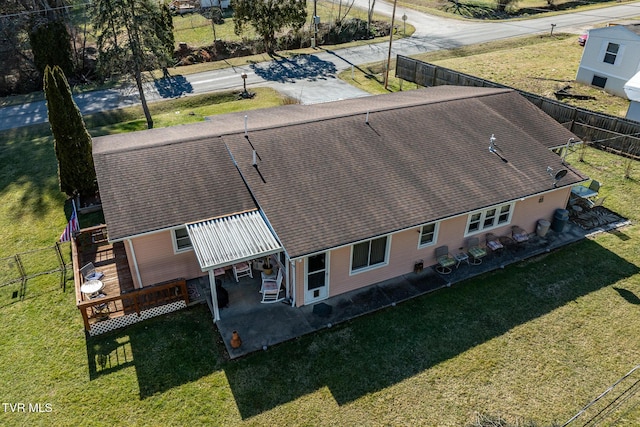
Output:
x=312 y=78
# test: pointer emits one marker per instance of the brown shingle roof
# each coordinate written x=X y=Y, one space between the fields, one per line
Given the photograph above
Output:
x=147 y=186
x=331 y=179
x=423 y=156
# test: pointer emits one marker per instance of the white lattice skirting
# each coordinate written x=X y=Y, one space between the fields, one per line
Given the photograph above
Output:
x=129 y=319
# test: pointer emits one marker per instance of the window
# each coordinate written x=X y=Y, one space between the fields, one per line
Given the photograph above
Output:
x=181 y=240
x=369 y=254
x=611 y=53
x=599 y=81
x=489 y=218
x=428 y=234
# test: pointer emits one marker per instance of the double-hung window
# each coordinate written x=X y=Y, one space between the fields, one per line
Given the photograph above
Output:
x=489 y=218
x=371 y=253
x=181 y=240
x=428 y=234
x=611 y=53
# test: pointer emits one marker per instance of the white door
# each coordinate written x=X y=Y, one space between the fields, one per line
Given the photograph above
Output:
x=316 y=278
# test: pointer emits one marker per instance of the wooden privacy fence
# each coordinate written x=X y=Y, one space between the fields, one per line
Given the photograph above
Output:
x=605 y=131
x=25 y=268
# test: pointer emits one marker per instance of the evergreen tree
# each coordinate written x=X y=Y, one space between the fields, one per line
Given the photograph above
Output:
x=133 y=36
x=76 y=171
x=269 y=16
x=50 y=44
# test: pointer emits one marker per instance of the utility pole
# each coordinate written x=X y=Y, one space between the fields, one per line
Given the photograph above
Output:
x=393 y=19
x=315 y=24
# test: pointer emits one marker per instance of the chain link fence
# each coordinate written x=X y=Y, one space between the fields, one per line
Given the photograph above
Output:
x=32 y=273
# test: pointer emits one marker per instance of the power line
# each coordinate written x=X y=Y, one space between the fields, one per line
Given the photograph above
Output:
x=39 y=11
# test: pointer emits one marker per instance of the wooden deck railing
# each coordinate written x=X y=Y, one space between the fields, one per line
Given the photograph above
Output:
x=133 y=302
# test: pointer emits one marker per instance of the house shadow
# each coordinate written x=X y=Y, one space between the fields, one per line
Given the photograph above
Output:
x=366 y=355
x=166 y=351
x=173 y=86
x=287 y=70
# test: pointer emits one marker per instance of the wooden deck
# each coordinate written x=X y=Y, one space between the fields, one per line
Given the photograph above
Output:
x=118 y=298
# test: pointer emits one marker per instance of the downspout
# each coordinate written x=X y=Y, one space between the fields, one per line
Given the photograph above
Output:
x=292 y=277
x=135 y=263
x=214 y=296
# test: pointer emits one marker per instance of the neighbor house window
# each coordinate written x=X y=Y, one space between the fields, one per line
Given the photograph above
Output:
x=489 y=218
x=428 y=234
x=369 y=254
x=611 y=53
x=599 y=81
x=181 y=240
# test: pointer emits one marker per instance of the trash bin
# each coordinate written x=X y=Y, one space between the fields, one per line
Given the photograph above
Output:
x=560 y=218
x=543 y=227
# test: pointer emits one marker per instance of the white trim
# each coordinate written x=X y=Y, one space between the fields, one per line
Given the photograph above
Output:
x=436 y=229
x=482 y=213
x=174 y=241
x=387 y=252
x=327 y=264
x=135 y=263
x=291 y=275
x=413 y=227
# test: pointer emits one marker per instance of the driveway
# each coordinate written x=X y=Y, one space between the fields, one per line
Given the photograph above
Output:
x=312 y=78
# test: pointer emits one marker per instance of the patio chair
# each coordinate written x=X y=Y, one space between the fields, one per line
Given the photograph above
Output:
x=89 y=272
x=475 y=251
x=444 y=259
x=518 y=234
x=597 y=202
x=242 y=269
x=271 y=289
x=594 y=186
x=493 y=243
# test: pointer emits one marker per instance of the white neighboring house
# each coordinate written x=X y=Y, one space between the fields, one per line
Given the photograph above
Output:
x=632 y=89
x=611 y=57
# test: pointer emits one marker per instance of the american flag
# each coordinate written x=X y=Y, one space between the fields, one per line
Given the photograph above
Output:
x=72 y=226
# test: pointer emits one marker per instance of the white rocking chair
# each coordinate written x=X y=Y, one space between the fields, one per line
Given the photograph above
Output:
x=271 y=289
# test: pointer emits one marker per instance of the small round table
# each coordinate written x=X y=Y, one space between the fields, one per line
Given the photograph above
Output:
x=91 y=287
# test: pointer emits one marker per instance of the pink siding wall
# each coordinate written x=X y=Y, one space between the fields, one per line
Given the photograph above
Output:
x=158 y=263
x=404 y=246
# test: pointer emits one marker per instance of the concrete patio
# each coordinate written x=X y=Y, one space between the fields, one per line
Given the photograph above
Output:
x=263 y=325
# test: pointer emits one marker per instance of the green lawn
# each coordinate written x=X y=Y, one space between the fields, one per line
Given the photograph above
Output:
x=509 y=62
x=533 y=342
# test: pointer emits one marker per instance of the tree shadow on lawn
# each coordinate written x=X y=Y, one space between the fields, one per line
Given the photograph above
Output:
x=372 y=353
x=167 y=351
x=29 y=164
x=285 y=70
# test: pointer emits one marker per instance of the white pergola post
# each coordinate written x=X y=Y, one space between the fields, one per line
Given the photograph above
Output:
x=214 y=296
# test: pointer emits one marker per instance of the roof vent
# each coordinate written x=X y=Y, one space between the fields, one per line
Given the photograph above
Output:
x=493 y=148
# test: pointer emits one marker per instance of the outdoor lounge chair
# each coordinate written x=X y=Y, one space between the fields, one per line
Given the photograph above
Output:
x=518 y=234
x=242 y=269
x=493 y=243
x=475 y=251
x=271 y=289
x=89 y=272
x=444 y=259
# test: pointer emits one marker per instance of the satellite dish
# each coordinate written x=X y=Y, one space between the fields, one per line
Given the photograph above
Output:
x=560 y=174
x=557 y=176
